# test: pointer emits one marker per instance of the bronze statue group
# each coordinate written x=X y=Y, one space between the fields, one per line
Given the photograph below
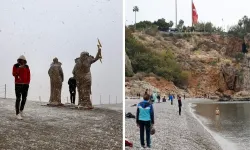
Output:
x=81 y=80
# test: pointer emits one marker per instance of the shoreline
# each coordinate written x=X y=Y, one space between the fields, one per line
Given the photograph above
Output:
x=217 y=137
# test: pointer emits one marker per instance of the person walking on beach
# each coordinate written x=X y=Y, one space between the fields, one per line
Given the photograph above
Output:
x=184 y=96
x=158 y=98
x=151 y=98
x=164 y=99
x=72 y=89
x=154 y=96
x=21 y=72
x=171 y=99
x=179 y=104
x=145 y=120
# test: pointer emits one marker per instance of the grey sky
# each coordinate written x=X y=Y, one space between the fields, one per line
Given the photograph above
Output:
x=213 y=10
x=44 y=29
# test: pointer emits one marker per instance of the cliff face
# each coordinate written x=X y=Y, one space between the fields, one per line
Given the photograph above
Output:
x=216 y=65
x=128 y=66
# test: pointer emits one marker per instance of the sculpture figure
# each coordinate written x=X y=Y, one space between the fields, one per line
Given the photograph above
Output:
x=56 y=80
x=82 y=75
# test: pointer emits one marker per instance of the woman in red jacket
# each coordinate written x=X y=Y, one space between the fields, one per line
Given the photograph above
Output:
x=21 y=72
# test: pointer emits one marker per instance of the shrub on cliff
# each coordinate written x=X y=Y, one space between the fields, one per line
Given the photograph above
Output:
x=151 y=31
x=163 y=64
x=239 y=57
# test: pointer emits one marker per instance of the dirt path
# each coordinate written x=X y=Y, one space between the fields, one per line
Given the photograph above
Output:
x=51 y=128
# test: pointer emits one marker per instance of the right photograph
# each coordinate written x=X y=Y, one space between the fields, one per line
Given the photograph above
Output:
x=187 y=75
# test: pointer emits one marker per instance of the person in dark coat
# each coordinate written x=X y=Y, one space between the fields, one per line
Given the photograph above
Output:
x=72 y=89
x=179 y=104
x=158 y=98
x=244 y=47
x=164 y=99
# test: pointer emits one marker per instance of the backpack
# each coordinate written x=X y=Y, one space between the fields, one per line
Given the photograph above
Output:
x=130 y=115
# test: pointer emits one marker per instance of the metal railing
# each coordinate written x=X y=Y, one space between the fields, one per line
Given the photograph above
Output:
x=3 y=91
x=98 y=100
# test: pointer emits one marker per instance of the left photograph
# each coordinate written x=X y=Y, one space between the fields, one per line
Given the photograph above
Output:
x=61 y=83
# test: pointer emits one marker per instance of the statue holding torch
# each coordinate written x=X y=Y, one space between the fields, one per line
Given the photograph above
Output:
x=82 y=75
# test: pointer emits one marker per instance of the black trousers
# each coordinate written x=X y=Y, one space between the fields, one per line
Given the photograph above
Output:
x=21 y=91
x=179 y=110
x=72 y=96
x=180 y=105
x=145 y=125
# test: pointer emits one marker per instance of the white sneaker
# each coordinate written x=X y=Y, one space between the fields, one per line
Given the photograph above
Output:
x=19 y=117
x=21 y=113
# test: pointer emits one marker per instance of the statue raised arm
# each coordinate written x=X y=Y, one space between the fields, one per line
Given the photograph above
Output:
x=82 y=75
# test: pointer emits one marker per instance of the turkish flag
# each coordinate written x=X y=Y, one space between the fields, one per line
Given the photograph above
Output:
x=194 y=14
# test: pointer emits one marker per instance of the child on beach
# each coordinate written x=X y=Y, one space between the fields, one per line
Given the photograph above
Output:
x=145 y=119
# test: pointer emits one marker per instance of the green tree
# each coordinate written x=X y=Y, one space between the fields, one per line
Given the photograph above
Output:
x=180 y=25
x=242 y=28
x=209 y=27
x=162 y=24
x=144 y=24
x=171 y=23
x=135 y=9
x=184 y=28
x=240 y=23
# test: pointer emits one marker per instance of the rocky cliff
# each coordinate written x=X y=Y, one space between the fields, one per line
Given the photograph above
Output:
x=215 y=64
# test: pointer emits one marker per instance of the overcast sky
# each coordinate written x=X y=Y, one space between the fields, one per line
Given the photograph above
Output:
x=208 y=10
x=44 y=29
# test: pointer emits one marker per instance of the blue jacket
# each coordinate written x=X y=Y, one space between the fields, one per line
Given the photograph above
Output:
x=171 y=97
x=145 y=112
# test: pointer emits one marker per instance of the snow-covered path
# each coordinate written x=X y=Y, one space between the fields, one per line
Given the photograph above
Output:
x=51 y=128
x=173 y=132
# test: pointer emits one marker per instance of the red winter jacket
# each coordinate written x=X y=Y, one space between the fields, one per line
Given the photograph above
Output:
x=21 y=74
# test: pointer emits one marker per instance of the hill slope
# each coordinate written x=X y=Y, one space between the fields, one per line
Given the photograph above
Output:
x=195 y=64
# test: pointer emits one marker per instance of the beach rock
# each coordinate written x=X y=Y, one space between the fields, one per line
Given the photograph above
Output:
x=130 y=115
x=242 y=94
x=214 y=97
x=228 y=93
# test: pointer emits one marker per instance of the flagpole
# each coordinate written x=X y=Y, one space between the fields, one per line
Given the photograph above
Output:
x=176 y=13
x=192 y=12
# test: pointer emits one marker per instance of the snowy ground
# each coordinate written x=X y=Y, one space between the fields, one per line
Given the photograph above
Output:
x=173 y=132
x=51 y=128
x=117 y=107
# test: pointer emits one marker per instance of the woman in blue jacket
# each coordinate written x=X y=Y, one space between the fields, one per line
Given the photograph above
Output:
x=145 y=119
